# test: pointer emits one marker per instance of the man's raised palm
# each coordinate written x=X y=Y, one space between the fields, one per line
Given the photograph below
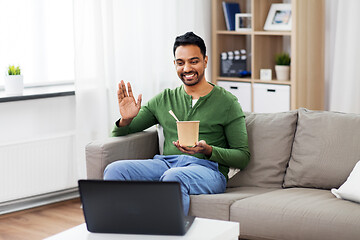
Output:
x=129 y=108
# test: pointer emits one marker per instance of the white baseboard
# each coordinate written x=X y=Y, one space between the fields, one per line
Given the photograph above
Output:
x=39 y=200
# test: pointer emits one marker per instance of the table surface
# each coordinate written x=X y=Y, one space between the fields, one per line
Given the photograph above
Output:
x=201 y=228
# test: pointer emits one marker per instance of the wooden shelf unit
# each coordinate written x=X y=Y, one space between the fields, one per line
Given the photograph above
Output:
x=306 y=81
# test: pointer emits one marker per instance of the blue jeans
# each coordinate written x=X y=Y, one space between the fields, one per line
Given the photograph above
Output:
x=196 y=176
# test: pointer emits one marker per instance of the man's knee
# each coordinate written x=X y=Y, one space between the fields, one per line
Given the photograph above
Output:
x=173 y=175
x=115 y=171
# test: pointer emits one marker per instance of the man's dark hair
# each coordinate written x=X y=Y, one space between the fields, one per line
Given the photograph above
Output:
x=190 y=38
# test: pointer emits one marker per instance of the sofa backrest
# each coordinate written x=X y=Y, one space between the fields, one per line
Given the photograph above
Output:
x=271 y=136
x=325 y=150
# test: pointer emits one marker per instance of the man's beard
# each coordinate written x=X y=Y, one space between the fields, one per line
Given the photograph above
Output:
x=199 y=77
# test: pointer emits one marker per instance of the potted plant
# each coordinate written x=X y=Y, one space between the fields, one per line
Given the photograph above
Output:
x=14 y=81
x=282 y=67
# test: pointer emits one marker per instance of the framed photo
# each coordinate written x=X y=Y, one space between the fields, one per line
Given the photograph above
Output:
x=243 y=22
x=265 y=74
x=279 y=17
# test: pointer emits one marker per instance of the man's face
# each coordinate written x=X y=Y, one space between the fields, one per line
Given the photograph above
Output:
x=190 y=64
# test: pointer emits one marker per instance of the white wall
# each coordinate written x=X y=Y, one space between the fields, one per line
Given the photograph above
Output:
x=37 y=147
x=32 y=119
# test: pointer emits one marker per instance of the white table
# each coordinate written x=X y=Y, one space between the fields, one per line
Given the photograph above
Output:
x=201 y=228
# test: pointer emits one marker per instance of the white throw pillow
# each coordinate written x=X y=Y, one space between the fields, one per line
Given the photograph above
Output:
x=350 y=190
x=233 y=172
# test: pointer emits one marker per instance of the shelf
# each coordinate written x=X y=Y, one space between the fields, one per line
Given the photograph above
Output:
x=31 y=93
x=267 y=33
x=249 y=80
x=225 y=32
x=304 y=43
x=273 y=33
x=233 y=79
x=272 y=82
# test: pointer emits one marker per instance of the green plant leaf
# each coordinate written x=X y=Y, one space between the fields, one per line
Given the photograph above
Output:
x=282 y=59
x=14 y=71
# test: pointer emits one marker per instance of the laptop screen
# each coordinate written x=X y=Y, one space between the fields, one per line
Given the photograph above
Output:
x=133 y=207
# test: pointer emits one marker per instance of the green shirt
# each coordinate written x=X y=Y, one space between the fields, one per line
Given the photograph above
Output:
x=222 y=124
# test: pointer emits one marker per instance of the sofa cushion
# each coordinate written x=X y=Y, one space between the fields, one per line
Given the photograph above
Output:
x=297 y=213
x=271 y=137
x=325 y=149
x=217 y=206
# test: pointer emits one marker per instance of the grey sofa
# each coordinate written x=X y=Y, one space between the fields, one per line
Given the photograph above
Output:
x=284 y=192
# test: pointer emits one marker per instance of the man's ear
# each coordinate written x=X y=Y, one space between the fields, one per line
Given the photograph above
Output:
x=205 y=61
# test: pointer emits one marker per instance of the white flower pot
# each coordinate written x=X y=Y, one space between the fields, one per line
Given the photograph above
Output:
x=14 y=84
x=282 y=72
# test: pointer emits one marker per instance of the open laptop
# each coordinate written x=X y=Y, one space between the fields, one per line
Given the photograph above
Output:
x=133 y=207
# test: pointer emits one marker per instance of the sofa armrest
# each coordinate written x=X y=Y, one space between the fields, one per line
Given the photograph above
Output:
x=141 y=145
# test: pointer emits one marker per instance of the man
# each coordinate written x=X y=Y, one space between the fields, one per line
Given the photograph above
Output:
x=201 y=169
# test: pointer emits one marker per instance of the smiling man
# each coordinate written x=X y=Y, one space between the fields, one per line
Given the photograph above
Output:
x=203 y=168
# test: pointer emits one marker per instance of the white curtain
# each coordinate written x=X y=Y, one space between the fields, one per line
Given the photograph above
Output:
x=37 y=36
x=342 y=56
x=131 y=41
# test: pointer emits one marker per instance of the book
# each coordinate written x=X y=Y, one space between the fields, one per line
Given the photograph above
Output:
x=230 y=9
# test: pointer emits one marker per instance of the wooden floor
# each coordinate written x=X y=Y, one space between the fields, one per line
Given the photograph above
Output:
x=41 y=222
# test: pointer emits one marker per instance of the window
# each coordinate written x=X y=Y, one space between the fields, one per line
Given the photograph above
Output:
x=38 y=36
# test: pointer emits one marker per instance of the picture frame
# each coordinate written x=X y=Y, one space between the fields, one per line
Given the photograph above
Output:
x=265 y=74
x=279 y=17
x=243 y=21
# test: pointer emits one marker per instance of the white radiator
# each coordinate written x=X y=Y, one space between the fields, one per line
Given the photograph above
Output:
x=37 y=166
